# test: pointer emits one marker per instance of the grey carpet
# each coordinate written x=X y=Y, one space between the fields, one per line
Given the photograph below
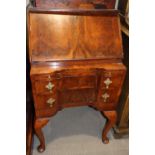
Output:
x=77 y=131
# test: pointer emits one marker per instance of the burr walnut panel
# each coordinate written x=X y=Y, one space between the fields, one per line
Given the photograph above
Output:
x=78 y=82
x=78 y=96
x=73 y=37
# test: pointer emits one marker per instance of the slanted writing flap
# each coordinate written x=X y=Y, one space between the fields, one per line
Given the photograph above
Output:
x=74 y=37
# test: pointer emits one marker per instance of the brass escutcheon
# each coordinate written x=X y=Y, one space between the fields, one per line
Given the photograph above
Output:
x=105 y=96
x=50 y=102
x=49 y=86
x=107 y=82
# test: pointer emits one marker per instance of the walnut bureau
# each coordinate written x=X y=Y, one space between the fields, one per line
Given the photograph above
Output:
x=76 y=60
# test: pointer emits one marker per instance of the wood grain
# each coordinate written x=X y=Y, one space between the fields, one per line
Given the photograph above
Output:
x=79 y=41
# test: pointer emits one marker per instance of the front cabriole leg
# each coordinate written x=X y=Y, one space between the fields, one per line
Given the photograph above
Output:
x=112 y=117
x=38 y=124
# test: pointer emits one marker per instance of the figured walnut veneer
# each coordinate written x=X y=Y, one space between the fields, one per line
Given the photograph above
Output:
x=74 y=37
x=75 y=61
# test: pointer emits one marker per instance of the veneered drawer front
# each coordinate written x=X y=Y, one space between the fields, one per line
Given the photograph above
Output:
x=45 y=101
x=78 y=79
x=78 y=82
x=112 y=79
x=109 y=96
x=80 y=96
x=45 y=87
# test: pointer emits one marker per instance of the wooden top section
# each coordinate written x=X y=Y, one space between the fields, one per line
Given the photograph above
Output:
x=96 y=4
x=74 y=35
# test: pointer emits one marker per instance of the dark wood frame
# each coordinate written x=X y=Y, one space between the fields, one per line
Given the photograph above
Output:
x=123 y=7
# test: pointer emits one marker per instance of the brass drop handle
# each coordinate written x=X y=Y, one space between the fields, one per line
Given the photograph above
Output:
x=49 y=86
x=107 y=82
x=105 y=96
x=50 y=102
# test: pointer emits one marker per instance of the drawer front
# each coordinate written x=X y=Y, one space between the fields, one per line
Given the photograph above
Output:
x=78 y=79
x=109 y=96
x=78 y=82
x=45 y=102
x=45 y=83
x=111 y=79
x=46 y=87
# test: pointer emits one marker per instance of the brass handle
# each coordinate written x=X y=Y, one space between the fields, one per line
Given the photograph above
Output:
x=49 y=86
x=50 y=102
x=105 y=96
x=107 y=82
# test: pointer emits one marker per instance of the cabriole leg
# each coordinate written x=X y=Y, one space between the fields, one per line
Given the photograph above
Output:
x=112 y=117
x=38 y=124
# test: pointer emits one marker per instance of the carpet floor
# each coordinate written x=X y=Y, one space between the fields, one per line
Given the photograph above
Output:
x=77 y=131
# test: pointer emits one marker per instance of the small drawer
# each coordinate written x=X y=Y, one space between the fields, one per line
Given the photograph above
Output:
x=78 y=79
x=45 y=101
x=112 y=79
x=79 y=82
x=45 y=87
x=109 y=96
